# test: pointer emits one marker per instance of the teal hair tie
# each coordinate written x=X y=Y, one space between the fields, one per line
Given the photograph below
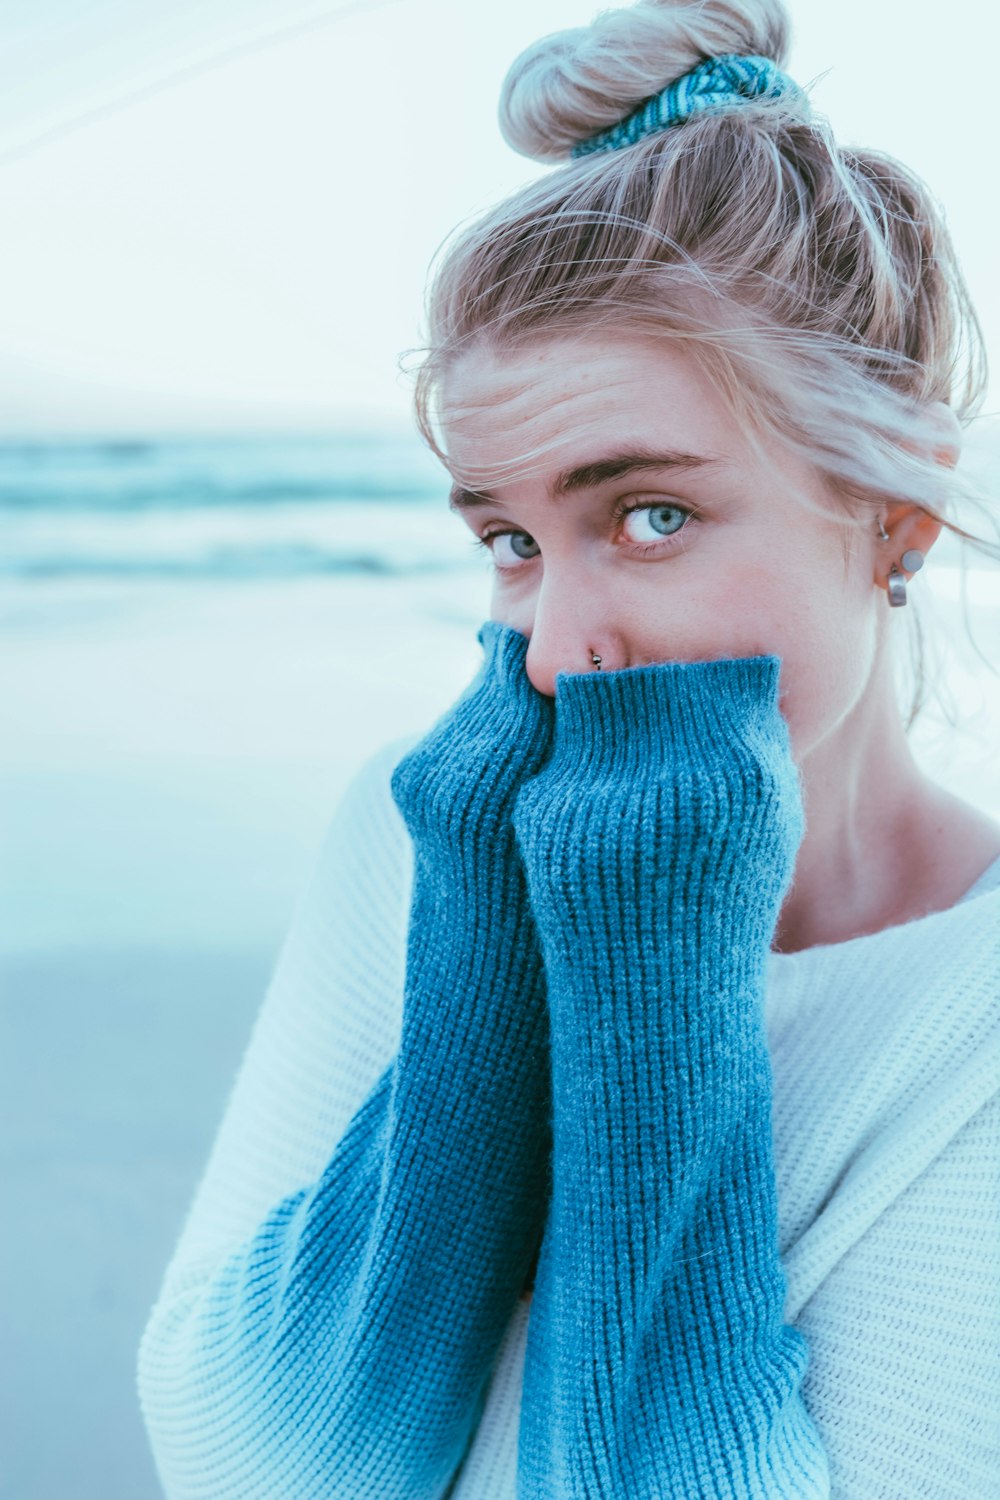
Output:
x=716 y=83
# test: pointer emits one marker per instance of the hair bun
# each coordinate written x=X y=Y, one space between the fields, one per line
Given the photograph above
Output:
x=572 y=84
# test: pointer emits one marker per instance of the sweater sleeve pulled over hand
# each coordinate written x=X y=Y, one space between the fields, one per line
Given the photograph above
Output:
x=659 y=841
x=345 y=1348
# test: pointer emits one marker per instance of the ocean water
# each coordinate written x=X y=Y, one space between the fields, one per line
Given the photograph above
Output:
x=254 y=507
x=225 y=508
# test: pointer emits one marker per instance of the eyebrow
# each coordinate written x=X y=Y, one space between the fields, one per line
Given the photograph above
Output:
x=588 y=476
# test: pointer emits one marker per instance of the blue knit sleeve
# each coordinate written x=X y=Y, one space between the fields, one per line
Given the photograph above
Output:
x=658 y=843
x=343 y=1350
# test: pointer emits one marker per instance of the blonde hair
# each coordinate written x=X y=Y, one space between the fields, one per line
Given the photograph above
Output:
x=815 y=285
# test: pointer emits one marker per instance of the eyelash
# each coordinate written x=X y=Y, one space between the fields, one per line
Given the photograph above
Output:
x=620 y=510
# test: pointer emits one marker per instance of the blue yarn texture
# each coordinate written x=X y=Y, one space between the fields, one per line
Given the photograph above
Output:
x=659 y=841
x=582 y=1078
x=717 y=83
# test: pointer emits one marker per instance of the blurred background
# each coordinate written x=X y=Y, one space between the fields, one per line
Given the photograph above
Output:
x=227 y=572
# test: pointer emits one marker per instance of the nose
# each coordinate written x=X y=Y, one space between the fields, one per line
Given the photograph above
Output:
x=564 y=636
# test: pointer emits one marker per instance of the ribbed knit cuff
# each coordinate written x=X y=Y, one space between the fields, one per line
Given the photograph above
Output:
x=458 y=782
x=663 y=774
x=664 y=707
x=510 y=710
x=504 y=652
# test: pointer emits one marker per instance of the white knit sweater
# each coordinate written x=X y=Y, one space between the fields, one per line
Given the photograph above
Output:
x=886 y=1115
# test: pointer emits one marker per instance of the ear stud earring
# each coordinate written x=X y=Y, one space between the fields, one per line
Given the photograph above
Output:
x=912 y=561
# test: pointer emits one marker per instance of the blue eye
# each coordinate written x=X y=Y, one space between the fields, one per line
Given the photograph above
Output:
x=492 y=537
x=666 y=518
x=677 y=516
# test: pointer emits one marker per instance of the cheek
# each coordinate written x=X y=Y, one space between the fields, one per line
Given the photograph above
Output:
x=825 y=638
x=826 y=662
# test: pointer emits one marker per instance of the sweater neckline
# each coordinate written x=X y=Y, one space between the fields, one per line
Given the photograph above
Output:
x=985 y=884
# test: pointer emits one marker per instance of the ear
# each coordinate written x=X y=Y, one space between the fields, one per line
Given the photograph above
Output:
x=908 y=526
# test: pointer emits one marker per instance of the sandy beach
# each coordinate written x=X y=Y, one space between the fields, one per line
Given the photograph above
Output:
x=171 y=755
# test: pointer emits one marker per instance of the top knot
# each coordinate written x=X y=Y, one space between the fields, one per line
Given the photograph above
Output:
x=572 y=85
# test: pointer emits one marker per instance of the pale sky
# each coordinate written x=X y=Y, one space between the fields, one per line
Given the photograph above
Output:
x=246 y=244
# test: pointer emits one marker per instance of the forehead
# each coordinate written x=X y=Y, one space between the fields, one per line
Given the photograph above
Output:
x=530 y=411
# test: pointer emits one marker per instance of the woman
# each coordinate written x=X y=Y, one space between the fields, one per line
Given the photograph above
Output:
x=657 y=966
